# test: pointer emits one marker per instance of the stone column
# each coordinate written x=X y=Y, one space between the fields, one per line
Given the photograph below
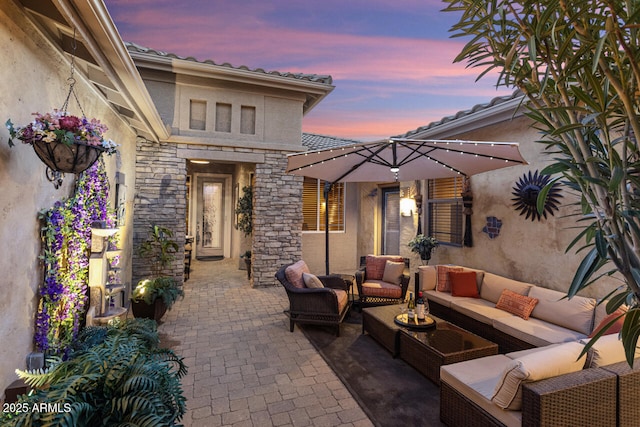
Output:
x=160 y=198
x=277 y=219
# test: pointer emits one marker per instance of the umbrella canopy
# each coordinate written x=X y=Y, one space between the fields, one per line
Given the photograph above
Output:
x=400 y=159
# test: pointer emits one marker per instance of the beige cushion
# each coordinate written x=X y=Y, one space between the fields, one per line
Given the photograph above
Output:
x=312 y=281
x=554 y=361
x=493 y=285
x=575 y=313
x=481 y=310
x=393 y=272
x=476 y=380
x=536 y=331
x=380 y=288
x=608 y=349
x=427 y=277
x=343 y=298
x=294 y=273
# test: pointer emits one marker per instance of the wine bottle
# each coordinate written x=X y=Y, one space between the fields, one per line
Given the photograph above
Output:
x=420 y=306
x=411 y=307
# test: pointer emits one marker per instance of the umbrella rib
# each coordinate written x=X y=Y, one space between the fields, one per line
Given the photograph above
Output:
x=365 y=160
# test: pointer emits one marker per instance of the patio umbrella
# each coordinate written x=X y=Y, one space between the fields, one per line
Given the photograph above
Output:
x=401 y=159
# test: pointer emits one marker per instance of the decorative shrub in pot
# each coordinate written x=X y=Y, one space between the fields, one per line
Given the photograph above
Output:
x=153 y=296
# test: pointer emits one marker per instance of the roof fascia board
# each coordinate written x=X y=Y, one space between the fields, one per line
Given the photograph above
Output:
x=485 y=117
x=93 y=22
x=199 y=69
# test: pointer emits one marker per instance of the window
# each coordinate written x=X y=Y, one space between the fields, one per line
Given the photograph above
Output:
x=313 y=206
x=444 y=207
x=197 y=115
x=248 y=120
x=223 y=117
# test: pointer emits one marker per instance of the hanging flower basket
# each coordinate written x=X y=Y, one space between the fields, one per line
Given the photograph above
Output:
x=65 y=143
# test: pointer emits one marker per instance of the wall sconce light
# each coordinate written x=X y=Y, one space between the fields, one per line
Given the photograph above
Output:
x=406 y=206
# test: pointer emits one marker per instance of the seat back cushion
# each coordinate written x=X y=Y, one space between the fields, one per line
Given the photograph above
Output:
x=427 y=277
x=463 y=284
x=294 y=273
x=444 y=284
x=607 y=350
x=493 y=285
x=553 y=361
x=311 y=281
x=375 y=264
x=393 y=272
x=553 y=307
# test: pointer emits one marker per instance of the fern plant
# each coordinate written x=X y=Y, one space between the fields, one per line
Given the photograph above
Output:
x=124 y=379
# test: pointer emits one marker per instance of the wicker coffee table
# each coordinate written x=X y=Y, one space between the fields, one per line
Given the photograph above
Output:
x=425 y=350
x=446 y=343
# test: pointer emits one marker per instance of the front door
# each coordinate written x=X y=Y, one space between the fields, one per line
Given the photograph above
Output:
x=391 y=221
x=210 y=217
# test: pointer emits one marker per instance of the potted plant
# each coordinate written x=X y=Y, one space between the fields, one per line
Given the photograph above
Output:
x=153 y=296
x=423 y=245
x=65 y=143
x=244 y=211
x=247 y=260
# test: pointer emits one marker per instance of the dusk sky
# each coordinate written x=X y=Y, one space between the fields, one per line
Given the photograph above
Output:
x=391 y=60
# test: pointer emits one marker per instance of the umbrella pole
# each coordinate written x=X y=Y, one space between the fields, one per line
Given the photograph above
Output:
x=327 y=188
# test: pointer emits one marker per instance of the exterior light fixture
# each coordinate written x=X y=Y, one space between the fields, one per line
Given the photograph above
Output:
x=394 y=169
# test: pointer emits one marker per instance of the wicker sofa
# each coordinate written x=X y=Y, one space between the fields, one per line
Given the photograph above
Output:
x=540 y=378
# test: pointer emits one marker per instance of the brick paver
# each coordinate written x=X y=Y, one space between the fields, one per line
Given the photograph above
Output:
x=245 y=367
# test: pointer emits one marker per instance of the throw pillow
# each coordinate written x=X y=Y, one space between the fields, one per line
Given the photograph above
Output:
x=375 y=265
x=393 y=272
x=294 y=273
x=312 y=281
x=444 y=285
x=463 y=284
x=517 y=304
x=615 y=328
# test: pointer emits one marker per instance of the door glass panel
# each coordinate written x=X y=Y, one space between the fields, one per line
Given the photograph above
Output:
x=211 y=215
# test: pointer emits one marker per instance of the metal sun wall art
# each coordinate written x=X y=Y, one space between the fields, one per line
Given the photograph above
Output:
x=526 y=193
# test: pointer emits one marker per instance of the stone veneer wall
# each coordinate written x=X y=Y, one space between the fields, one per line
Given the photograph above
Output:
x=160 y=198
x=277 y=219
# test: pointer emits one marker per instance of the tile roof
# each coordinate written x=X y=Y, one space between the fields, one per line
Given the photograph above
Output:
x=320 y=142
x=316 y=78
x=464 y=113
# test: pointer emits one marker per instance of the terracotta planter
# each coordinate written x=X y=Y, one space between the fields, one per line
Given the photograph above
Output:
x=153 y=311
x=74 y=158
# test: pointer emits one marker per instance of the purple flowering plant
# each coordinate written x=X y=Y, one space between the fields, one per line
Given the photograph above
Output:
x=62 y=128
x=66 y=240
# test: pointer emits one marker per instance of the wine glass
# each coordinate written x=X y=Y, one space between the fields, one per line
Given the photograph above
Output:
x=403 y=310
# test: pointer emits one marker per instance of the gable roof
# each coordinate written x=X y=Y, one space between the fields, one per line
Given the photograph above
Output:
x=499 y=109
x=320 y=142
x=314 y=86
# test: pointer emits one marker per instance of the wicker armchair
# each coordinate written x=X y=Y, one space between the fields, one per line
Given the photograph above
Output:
x=374 y=291
x=321 y=306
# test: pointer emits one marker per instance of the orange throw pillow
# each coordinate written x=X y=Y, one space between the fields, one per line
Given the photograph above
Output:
x=444 y=285
x=463 y=284
x=615 y=328
x=517 y=304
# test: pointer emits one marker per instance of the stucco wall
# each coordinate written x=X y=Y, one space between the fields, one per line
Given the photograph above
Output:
x=342 y=245
x=34 y=79
x=531 y=251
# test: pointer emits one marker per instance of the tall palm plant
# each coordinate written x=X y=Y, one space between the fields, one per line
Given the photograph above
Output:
x=578 y=63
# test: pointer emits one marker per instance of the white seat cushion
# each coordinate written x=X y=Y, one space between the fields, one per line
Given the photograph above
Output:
x=443 y=298
x=481 y=310
x=476 y=379
x=536 y=331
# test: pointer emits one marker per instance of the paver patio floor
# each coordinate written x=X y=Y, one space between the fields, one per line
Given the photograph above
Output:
x=245 y=367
